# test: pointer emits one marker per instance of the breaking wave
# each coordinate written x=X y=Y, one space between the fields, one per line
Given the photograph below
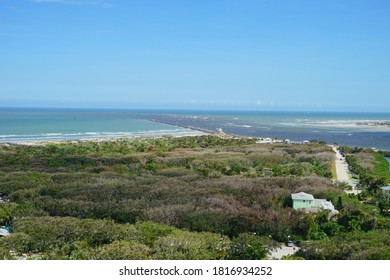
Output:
x=13 y=138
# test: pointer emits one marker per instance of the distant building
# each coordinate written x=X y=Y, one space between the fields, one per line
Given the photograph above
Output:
x=308 y=203
x=4 y=231
x=386 y=190
x=264 y=141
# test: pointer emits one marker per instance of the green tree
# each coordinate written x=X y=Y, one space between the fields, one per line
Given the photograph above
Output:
x=7 y=212
x=18 y=242
x=5 y=254
x=184 y=245
x=123 y=250
x=249 y=246
x=149 y=232
x=339 y=204
x=384 y=203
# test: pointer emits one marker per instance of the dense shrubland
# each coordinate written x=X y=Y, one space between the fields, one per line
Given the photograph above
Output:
x=169 y=198
x=373 y=172
x=371 y=167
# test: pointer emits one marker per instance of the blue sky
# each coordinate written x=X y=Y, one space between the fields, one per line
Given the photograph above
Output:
x=203 y=54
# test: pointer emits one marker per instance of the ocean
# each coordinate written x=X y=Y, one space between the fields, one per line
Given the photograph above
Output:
x=35 y=125
x=369 y=130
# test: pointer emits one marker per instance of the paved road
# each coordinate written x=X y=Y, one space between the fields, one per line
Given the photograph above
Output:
x=342 y=171
x=283 y=251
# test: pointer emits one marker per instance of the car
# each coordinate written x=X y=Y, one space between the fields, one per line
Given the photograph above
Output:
x=289 y=243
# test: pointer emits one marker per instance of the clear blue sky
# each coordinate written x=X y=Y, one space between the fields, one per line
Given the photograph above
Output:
x=197 y=54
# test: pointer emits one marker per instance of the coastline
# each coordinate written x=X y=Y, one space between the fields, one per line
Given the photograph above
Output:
x=266 y=127
x=193 y=132
x=362 y=125
x=94 y=140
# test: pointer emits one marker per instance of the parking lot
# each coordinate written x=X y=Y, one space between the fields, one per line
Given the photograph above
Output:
x=283 y=251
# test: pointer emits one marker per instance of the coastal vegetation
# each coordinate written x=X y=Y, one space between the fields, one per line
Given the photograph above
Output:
x=371 y=167
x=373 y=172
x=205 y=197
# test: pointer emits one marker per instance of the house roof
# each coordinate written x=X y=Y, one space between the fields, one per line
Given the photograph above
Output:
x=386 y=188
x=323 y=204
x=4 y=232
x=302 y=196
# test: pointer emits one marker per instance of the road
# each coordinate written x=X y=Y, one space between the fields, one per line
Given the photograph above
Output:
x=342 y=171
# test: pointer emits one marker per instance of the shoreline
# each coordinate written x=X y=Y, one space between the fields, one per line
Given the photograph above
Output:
x=94 y=140
x=192 y=131
x=355 y=130
x=367 y=125
x=195 y=132
x=260 y=140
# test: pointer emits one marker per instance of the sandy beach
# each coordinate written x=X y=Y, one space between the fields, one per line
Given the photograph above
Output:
x=99 y=140
x=364 y=125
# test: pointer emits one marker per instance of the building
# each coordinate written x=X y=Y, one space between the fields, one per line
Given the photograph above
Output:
x=386 y=190
x=4 y=231
x=265 y=141
x=308 y=203
x=323 y=204
x=302 y=200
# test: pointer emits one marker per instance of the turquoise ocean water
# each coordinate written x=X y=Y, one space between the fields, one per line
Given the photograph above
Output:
x=31 y=125
x=354 y=129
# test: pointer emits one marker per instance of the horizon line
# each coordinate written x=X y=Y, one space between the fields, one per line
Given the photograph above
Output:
x=191 y=109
